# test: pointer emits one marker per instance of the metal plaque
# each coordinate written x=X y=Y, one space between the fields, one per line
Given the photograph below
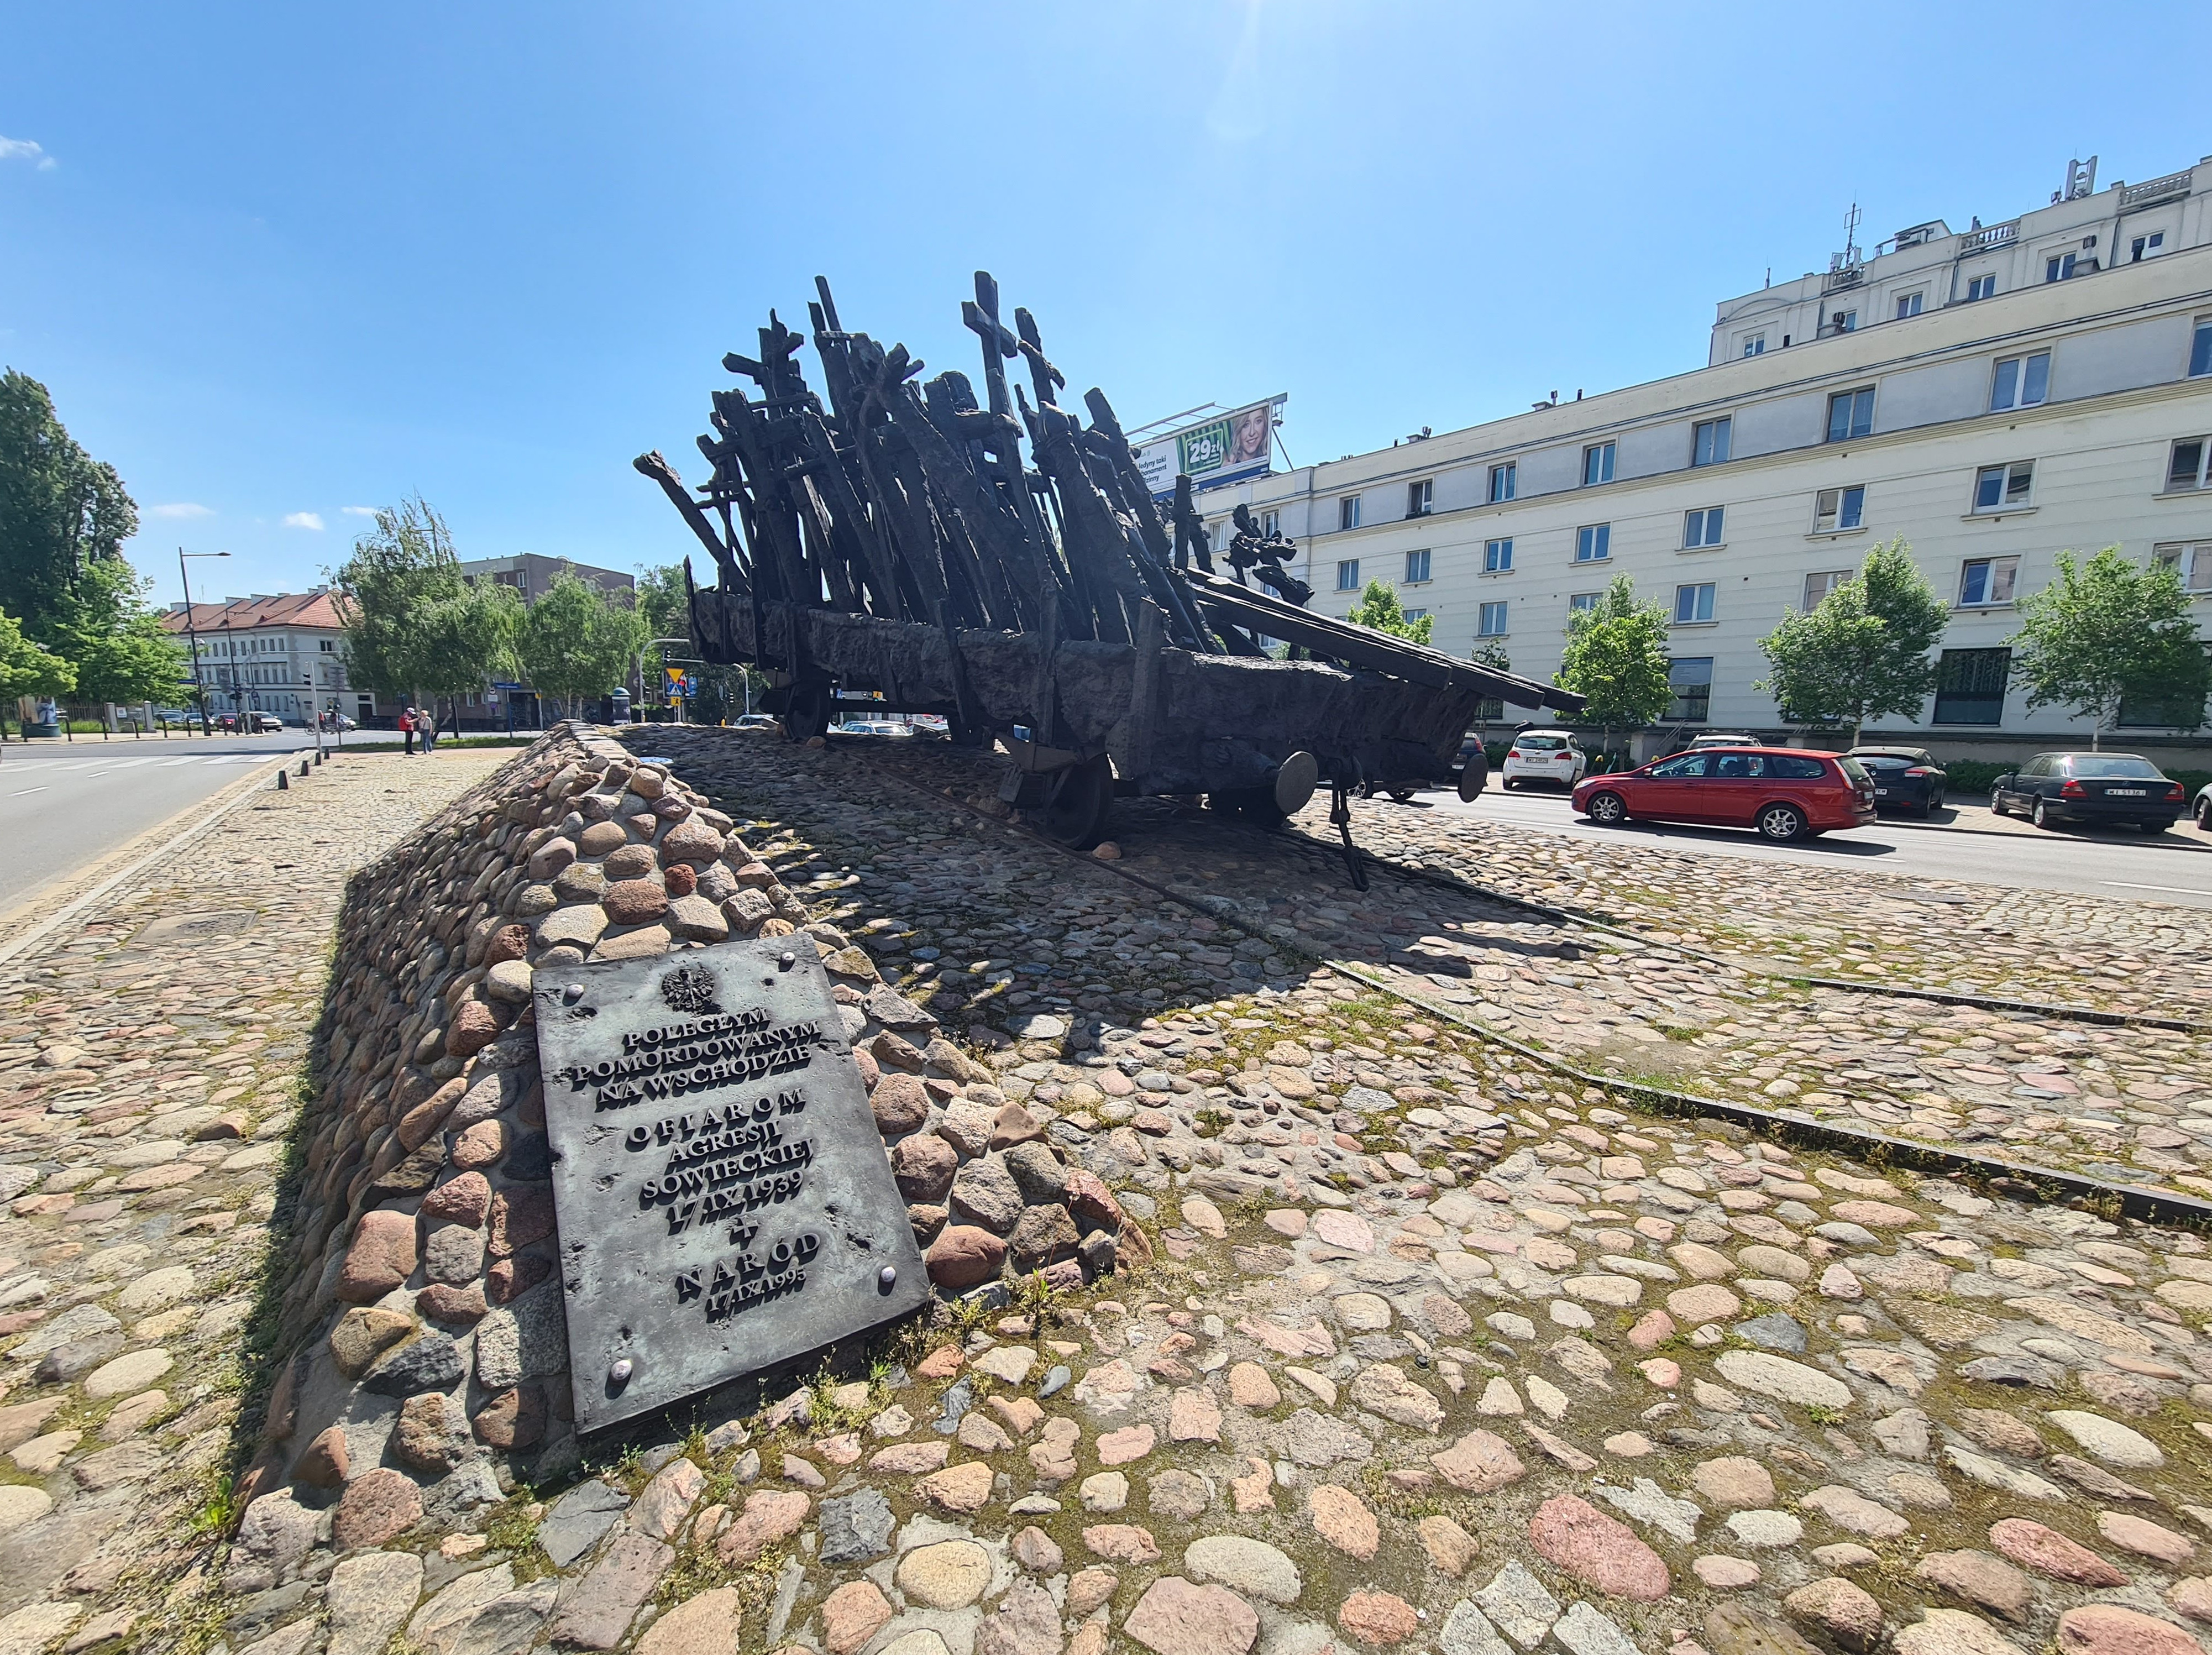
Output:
x=723 y=1197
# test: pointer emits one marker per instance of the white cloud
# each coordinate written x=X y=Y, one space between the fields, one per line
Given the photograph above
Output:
x=24 y=149
x=183 y=509
x=358 y=511
x=303 y=520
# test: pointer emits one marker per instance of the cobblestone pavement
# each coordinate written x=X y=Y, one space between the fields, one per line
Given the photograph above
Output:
x=1435 y=1353
x=150 y=1062
x=2131 y=1103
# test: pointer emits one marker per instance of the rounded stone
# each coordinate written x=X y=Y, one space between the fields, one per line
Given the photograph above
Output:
x=900 y=1104
x=633 y=902
x=964 y=1255
x=1571 y=1534
x=950 y=1574
x=2109 y=1629
x=1250 y=1566
x=601 y=838
x=2033 y=1546
x=378 y=1505
x=923 y=1165
x=2108 y=1439
x=20 y=1504
x=1733 y=1483
x=1847 y=1612
x=1378 y=1618
x=127 y=1373
x=1725 y=1574
x=631 y=862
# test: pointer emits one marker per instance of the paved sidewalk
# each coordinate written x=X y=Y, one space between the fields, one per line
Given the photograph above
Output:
x=150 y=1062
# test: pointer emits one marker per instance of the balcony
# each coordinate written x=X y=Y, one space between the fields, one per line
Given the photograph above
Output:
x=1993 y=235
x=1849 y=275
x=2172 y=187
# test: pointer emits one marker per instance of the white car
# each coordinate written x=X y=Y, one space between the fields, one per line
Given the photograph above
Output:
x=1550 y=756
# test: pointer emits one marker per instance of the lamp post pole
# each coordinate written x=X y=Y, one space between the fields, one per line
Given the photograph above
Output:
x=199 y=689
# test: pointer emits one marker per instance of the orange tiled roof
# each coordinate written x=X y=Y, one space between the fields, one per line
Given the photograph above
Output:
x=315 y=608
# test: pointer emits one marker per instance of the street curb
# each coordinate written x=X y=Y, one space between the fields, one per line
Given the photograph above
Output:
x=26 y=944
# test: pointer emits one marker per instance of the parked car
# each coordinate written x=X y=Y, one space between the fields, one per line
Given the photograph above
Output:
x=2054 y=789
x=2203 y=808
x=1784 y=792
x=1904 y=778
x=1553 y=756
x=874 y=726
x=262 y=723
x=756 y=721
x=1718 y=738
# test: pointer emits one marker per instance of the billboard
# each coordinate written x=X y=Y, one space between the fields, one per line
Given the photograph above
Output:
x=1222 y=449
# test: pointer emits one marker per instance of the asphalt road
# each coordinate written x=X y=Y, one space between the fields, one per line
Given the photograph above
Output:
x=63 y=805
x=2115 y=863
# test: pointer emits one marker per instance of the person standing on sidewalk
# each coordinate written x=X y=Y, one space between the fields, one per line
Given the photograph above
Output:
x=429 y=722
x=407 y=729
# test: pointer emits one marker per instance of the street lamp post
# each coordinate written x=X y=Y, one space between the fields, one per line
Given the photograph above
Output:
x=199 y=689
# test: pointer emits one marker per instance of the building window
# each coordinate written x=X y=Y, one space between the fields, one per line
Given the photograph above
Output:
x=1851 y=414
x=1498 y=556
x=1818 y=587
x=1597 y=464
x=1836 y=510
x=1981 y=287
x=1594 y=543
x=1271 y=524
x=1908 y=304
x=2193 y=563
x=1691 y=682
x=1709 y=444
x=2021 y=382
x=1986 y=581
x=1418 y=497
x=1347 y=511
x=2003 y=488
x=1347 y=574
x=1502 y=480
x=1846 y=321
x=2147 y=246
x=1417 y=566
x=1490 y=621
x=1755 y=345
x=1582 y=603
x=2059 y=267
x=1693 y=604
x=1417 y=614
x=1702 y=527
x=2185 y=466
x=1970 y=685
x=2200 y=351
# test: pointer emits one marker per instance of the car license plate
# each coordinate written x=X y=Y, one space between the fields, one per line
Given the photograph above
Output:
x=2126 y=793
x=1881 y=793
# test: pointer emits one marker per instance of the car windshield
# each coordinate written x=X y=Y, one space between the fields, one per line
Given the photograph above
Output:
x=1853 y=769
x=1882 y=761
x=2094 y=765
x=1541 y=744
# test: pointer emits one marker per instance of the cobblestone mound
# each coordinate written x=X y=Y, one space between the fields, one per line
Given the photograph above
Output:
x=430 y=1360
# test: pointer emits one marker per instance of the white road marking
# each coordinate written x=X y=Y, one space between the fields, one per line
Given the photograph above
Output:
x=26 y=790
x=2182 y=889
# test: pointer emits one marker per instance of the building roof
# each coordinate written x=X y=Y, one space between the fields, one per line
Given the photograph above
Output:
x=313 y=608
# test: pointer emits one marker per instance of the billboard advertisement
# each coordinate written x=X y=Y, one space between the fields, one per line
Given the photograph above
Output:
x=1224 y=448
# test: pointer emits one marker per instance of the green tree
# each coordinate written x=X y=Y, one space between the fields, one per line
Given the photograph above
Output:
x=1379 y=607
x=415 y=627
x=28 y=669
x=61 y=511
x=577 y=641
x=2110 y=630
x=663 y=601
x=1863 y=651
x=102 y=627
x=1616 y=658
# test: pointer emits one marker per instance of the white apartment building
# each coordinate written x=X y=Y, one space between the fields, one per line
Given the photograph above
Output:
x=261 y=654
x=1994 y=397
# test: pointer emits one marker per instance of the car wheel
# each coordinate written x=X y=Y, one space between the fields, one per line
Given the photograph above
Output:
x=1507 y=784
x=2204 y=816
x=1607 y=809
x=2041 y=816
x=1997 y=805
x=1780 y=823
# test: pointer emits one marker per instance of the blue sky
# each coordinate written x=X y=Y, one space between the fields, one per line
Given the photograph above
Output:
x=277 y=262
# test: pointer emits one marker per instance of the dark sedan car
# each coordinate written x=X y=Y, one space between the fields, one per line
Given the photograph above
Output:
x=2055 y=789
x=1904 y=778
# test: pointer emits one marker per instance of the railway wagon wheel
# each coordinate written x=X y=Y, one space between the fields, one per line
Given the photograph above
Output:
x=1074 y=812
x=805 y=711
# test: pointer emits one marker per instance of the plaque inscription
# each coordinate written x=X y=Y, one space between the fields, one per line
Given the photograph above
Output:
x=720 y=1184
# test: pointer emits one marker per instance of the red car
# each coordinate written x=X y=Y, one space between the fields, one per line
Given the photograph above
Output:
x=1785 y=793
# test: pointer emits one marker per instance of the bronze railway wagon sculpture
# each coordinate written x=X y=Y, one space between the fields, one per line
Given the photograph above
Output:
x=897 y=541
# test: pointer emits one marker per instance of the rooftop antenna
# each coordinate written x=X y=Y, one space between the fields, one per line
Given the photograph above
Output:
x=2081 y=179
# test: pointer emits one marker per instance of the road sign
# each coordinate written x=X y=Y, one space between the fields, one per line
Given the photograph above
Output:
x=681 y=685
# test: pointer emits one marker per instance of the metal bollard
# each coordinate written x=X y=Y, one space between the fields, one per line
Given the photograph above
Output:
x=283 y=781
x=303 y=769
